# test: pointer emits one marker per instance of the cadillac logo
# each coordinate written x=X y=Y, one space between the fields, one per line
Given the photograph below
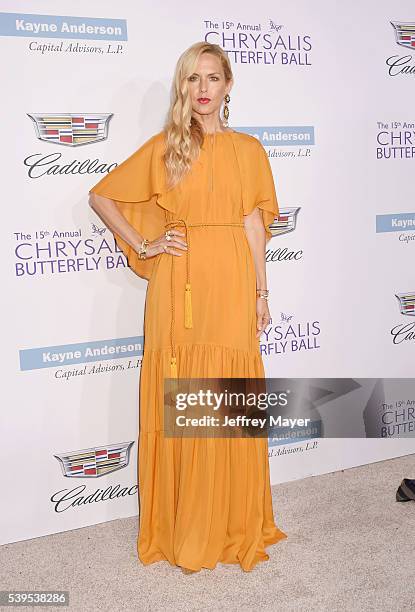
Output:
x=71 y=130
x=405 y=34
x=285 y=222
x=407 y=303
x=95 y=462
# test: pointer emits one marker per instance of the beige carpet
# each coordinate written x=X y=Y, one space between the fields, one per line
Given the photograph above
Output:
x=350 y=546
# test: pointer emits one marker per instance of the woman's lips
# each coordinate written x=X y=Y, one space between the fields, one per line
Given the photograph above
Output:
x=203 y=100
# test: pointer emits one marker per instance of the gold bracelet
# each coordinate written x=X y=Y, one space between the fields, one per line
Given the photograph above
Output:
x=143 y=249
x=262 y=293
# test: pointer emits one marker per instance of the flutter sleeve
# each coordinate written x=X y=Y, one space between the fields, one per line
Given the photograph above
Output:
x=258 y=188
x=137 y=186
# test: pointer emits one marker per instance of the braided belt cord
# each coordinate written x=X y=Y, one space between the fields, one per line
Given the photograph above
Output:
x=188 y=320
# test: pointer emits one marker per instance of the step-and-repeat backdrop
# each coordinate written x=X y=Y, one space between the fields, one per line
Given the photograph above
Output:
x=328 y=90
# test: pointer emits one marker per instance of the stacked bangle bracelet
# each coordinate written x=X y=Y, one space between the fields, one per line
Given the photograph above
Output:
x=143 y=248
x=262 y=293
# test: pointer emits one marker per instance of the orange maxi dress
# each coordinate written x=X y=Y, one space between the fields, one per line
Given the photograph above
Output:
x=202 y=500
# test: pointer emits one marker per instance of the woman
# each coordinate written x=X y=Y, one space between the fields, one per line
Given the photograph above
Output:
x=191 y=209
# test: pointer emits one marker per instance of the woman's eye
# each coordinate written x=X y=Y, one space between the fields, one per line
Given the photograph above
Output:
x=194 y=78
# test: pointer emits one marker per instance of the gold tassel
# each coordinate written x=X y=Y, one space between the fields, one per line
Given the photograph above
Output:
x=188 y=322
x=173 y=367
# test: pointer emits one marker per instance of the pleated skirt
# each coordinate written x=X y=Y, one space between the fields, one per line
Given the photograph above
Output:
x=202 y=500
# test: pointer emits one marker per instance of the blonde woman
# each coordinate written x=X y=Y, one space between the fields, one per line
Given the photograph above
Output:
x=191 y=210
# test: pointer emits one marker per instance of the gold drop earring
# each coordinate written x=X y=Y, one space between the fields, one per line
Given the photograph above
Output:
x=226 y=110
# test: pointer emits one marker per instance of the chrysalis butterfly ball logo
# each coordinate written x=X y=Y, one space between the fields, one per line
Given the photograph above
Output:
x=405 y=34
x=71 y=130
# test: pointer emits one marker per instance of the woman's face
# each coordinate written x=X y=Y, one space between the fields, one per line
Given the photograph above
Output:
x=207 y=85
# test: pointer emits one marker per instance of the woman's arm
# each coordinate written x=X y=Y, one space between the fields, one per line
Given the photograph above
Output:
x=107 y=210
x=255 y=233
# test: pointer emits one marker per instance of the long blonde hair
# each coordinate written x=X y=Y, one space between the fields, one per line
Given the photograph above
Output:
x=184 y=134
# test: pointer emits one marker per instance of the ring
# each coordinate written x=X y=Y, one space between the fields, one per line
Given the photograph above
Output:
x=167 y=234
x=164 y=247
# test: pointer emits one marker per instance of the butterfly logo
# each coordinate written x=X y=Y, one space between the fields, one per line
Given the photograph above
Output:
x=98 y=230
x=274 y=26
x=286 y=318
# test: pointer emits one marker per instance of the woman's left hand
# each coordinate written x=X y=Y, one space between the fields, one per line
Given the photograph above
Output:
x=263 y=316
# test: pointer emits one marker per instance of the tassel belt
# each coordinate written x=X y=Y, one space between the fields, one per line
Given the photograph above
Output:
x=188 y=318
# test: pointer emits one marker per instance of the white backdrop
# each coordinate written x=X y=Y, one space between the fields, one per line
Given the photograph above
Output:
x=316 y=79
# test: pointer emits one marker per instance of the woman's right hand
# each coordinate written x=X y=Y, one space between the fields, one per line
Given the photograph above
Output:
x=162 y=245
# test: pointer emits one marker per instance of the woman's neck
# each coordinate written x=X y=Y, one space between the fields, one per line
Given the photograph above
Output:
x=211 y=125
